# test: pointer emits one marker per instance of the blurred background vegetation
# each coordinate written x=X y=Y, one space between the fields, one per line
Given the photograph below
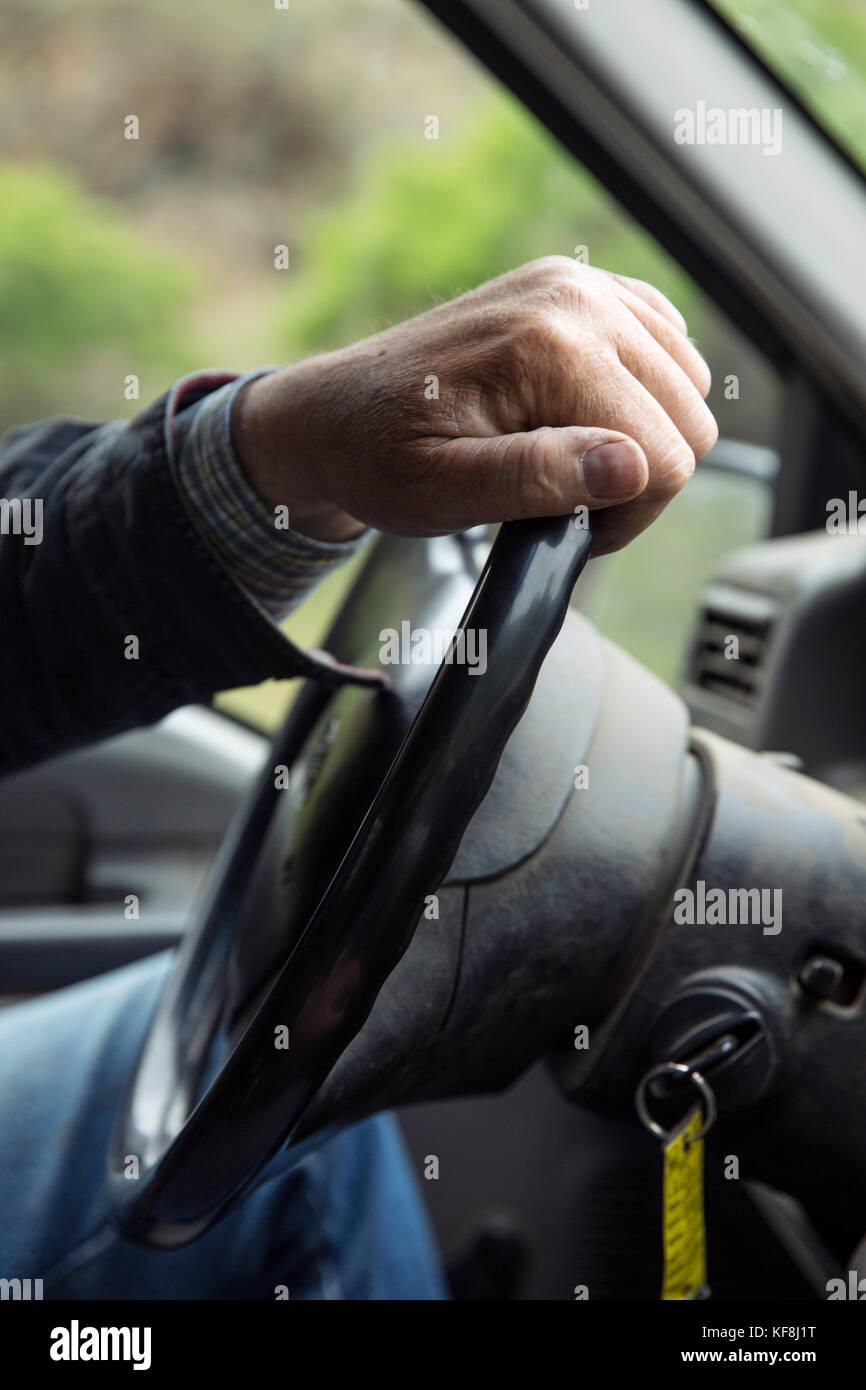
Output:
x=260 y=127
x=819 y=48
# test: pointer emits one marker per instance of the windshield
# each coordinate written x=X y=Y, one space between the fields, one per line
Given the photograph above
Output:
x=818 y=49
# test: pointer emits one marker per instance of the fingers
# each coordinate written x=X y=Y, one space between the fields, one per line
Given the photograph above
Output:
x=543 y=472
x=671 y=458
x=644 y=377
x=672 y=388
x=562 y=386
x=615 y=527
x=659 y=355
x=653 y=297
x=603 y=389
x=680 y=348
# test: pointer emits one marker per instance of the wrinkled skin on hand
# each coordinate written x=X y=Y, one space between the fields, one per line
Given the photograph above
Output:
x=554 y=386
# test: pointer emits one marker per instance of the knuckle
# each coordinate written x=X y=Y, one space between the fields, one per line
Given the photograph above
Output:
x=533 y=484
x=645 y=285
x=673 y=468
x=650 y=292
x=704 y=375
x=701 y=429
x=681 y=470
x=557 y=280
x=541 y=332
x=709 y=436
x=553 y=267
x=654 y=296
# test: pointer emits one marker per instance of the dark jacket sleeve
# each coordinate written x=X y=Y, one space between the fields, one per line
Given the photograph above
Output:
x=118 y=559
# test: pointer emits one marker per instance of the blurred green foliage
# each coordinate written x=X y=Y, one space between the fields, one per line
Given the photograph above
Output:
x=428 y=219
x=819 y=48
x=74 y=277
x=157 y=258
x=73 y=273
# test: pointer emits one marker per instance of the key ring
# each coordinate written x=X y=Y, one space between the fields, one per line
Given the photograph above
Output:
x=679 y=1069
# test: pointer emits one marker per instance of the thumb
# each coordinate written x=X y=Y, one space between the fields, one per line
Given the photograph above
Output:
x=548 y=472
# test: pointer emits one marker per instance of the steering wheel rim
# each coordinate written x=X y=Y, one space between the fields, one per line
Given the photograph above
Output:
x=197 y=1156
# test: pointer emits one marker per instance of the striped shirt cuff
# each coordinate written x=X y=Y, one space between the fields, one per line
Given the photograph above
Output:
x=275 y=566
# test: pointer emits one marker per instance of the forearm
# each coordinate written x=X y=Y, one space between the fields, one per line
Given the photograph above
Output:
x=122 y=610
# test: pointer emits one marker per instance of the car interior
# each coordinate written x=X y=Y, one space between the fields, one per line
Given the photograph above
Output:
x=741 y=766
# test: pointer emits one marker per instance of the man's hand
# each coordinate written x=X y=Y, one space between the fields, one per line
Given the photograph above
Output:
x=554 y=386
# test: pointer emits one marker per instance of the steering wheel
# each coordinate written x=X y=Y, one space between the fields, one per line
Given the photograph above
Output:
x=210 y=1103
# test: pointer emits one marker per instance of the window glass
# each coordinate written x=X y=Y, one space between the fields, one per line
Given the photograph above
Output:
x=818 y=48
x=155 y=159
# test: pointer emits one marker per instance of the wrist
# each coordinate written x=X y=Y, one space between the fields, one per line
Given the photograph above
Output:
x=269 y=440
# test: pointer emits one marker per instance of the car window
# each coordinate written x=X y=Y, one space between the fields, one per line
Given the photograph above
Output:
x=214 y=185
x=818 y=48
x=644 y=598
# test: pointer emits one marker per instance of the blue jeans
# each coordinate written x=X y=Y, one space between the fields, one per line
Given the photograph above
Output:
x=345 y=1220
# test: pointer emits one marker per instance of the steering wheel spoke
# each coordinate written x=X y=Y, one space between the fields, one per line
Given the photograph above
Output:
x=199 y=1154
